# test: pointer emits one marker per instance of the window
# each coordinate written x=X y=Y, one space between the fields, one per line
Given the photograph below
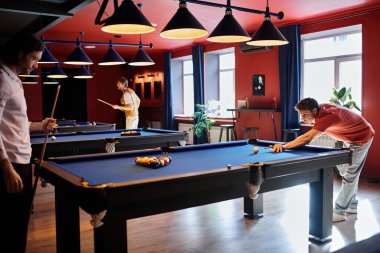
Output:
x=220 y=80
x=332 y=59
x=219 y=77
x=226 y=83
x=188 y=87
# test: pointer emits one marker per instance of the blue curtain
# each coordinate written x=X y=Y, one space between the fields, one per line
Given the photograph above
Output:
x=168 y=99
x=198 y=74
x=289 y=62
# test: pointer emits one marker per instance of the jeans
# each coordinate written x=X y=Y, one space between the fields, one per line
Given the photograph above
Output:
x=350 y=177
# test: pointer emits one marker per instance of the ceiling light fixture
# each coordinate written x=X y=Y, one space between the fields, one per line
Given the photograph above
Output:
x=126 y=19
x=228 y=30
x=29 y=80
x=48 y=80
x=57 y=72
x=78 y=57
x=267 y=34
x=111 y=57
x=98 y=44
x=141 y=58
x=33 y=73
x=83 y=73
x=183 y=25
x=47 y=57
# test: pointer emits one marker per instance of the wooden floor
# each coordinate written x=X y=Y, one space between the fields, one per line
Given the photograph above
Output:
x=221 y=227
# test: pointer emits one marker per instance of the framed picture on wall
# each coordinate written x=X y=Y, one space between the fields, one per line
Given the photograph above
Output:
x=157 y=89
x=138 y=89
x=147 y=91
x=259 y=85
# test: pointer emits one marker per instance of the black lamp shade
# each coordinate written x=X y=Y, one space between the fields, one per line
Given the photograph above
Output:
x=30 y=80
x=267 y=35
x=57 y=72
x=112 y=58
x=78 y=57
x=47 y=57
x=141 y=58
x=34 y=73
x=48 y=80
x=83 y=73
x=228 y=30
x=183 y=25
x=128 y=19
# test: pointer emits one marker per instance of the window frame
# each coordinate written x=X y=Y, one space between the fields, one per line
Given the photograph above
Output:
x=337 y=59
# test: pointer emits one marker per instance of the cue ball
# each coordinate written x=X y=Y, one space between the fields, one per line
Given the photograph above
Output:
x=255 y=150
x=53 y=138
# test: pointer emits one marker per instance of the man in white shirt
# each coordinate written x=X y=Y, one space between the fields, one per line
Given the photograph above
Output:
x=19 y=55
x=130 y=104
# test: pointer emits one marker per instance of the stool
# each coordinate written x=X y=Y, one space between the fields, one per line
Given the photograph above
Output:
x=250 y=129
x=228 y=128
x=286 y=132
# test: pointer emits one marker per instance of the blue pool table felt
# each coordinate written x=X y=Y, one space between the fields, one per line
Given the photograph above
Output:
x=116 y=168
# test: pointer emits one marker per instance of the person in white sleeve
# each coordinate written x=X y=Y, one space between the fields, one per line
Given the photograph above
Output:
x=19 y=55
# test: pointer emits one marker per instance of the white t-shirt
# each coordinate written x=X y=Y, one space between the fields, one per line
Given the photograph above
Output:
x=14 y=125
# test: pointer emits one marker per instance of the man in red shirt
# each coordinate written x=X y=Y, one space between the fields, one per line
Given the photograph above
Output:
x=342 y=124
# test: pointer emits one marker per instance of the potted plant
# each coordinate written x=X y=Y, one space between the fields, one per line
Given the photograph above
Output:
x=203 y=119
x=340 y=97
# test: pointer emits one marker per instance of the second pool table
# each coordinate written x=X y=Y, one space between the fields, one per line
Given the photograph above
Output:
x=114 y=185
x=66 y=144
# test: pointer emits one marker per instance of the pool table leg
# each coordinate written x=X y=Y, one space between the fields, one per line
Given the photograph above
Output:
x=67 y=222
x=112 y=235
x=254 y=208
x=321 y=206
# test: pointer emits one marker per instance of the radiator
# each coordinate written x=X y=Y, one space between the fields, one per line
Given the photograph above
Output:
x=214 y=133
x=325 y=141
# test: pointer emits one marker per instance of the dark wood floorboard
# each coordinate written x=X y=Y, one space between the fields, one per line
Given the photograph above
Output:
x=221 y=227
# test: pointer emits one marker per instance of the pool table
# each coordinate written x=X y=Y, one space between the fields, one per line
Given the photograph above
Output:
x=66 y=144
x=197 y=175
x=73 y=127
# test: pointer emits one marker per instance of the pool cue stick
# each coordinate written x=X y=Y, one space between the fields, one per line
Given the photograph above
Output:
x=104 y=102
x=37 y=168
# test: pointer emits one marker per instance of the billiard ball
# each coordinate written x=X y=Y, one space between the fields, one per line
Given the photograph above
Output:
x=255 y=150
x=53 y=138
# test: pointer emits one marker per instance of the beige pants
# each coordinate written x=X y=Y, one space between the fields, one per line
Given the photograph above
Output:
x=131 y=122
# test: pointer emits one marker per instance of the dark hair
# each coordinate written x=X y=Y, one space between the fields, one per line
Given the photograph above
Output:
x=307 y=104
x=124 y=81
x=19 y=46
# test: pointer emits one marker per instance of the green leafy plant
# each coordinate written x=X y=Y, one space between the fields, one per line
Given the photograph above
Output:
x=340 y=97
x=202 y=122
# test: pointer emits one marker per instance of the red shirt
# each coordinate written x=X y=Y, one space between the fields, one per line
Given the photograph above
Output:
x=343 y=124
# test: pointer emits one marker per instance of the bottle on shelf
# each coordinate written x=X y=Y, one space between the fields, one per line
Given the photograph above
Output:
x=246 y=103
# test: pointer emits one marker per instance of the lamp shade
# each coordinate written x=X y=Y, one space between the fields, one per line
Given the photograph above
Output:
x=141 y=58
x=267 y=35
x=57 y=72
x=29 y=80
x=83 y=73
x=47 y=57
x=48 y=80
x=78 y=57
x=33 y=73
x=228 y=30
x=128 y=19
x=111 y=58
x=183 y=25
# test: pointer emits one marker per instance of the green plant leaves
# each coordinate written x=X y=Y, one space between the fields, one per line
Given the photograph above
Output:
x=340 y=97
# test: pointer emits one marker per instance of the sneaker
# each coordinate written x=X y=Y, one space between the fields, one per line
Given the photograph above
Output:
x=338 y=217
x=352 y=211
